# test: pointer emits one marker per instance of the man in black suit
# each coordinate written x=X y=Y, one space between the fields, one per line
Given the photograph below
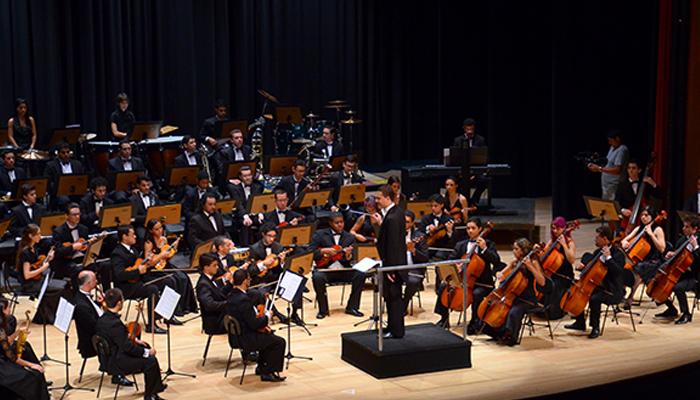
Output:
x=234 y=150
x=294 y=184
x=141 y=201
x=269 y=346
x=131 y=282
x=124 y=161
x=626 y=193
x=282 y=214
x=347 y=176
x=69 y=251
x=241 y=192
x=9 y=173
x=416 y=253
x=222 y=250
x=92 y=203
x=692 y=204
x=27 y=211
x=391 y=245
x=323 y=243
x=435 y=222
x=88 y=309
x=212 y=294
x=190 y=157
x=206 y=133
x=62 y=165
x=328 y=146
x=207 y=223
x=194 y=194
x=127 y=356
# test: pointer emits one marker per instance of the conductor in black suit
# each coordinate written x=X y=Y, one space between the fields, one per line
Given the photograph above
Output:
x=207 y=223
x=189 y=157
x=212 y=294
x=470 y=140
x=391 y=245
x=329 y=146
x=92 y=203
x=69 y=250
x=126 y=356
x=27 y=211
x=9 y=173
x=692 y=203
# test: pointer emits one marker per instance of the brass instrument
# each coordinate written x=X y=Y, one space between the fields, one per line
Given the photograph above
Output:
x=22 y=337
x=204 y=155
x=256 y=144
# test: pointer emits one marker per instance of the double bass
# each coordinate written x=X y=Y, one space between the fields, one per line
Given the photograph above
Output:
x=550 y=259
x=453 y=295
x=640 y=246
x=668 y=274
x=575 y=299
x=628 y=223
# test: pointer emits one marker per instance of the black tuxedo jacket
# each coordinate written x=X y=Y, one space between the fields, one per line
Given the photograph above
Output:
x=337 y=180
x=238 y=193
x=429 y=219
x=53 y=171
x=240 y=307
x=122 y=259
x=124 y=354
x=287 y=184
x=391 y=241
x=614 y=278
x=181 y=160
x=226 y=155
x=691 y=203
x=191 y=200
x=422 y=255
x=462 y=142
x=320 y=148
x=212 y=298
x=88 y=216
x=85 y=317
x=62 y=234
x=117 y=165
x=273 y=217
x=207 y=129
x=258 y=252
x=625 y=194
x=138 y=210
x=5 y=184
x=490 y=257
x=324 y=238
x=200 y=229
x=22 y=217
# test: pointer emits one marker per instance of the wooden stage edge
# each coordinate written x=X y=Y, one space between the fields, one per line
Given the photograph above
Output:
x=539 y=366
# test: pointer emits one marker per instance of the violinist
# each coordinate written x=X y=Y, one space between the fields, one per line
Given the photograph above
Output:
x=455 y=203
x=611 y=290
x=126 y=355
x=484 y=249
x=295 y=183
x=527 y=300
x=644 y=271
x=282 y=214
x=269 y=346
x=212 y=294
x=438 y=226
x=69 y=240
x=362 y=229
x=28 y=211
x=222 y=247
x=416 y=253
x=689 y=280
x=565 y=274
x=156 y=244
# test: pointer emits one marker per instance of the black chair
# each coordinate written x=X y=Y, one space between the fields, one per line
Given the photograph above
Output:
x=103 y=353
x=530 y=324
x=616 y=310
x=12 y=285
x=233 y=327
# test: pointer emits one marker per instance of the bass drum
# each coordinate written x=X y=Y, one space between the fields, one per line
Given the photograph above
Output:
x=161 y=153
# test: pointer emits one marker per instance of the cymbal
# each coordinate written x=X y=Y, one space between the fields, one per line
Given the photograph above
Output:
x=336 y=106
x=311 y=115
x=268 y=117
x=268 y=96
x=302 y=141
x=88 y=136
x=350 y=112
x=337 y=102
x=351 y=121
x=34 y=155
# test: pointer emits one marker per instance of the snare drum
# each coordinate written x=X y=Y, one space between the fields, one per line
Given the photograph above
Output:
x=240 y=254
x=101 y=153
x=161 y=153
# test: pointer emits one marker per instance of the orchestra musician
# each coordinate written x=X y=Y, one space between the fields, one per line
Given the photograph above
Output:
x=69 y=240
x=612 y=173
x=222 y=247
x=416 y=253
x=126 y=355
x=207 y=223
x=399 y=198
x=124 y=160
x=468 y=140
x=295 y=183
x=347 y=176
x=190 y=156
x=612 y=290
x=692 y=203
x=241 y=191
x=328 y=146
x=282 y=214
x=362 y=229
x=565 y=274
x=212 y=293
x=455 y=203
x=122 y=120
x=141 y=200
x=330 y=242
x=62 y=165
x=10 y=173
x=28 y=354
x=26 y=212
x=93 y=202
x=21 y=128
x=269 y=346
x=206 y=133
x=234 y=150
x=435 y=222
x=193 y=195
x=627 y=189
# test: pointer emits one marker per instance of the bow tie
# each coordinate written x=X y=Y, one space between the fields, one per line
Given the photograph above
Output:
x=97 y=200
x=72 y=229
x=282 y=212
x=67 y=163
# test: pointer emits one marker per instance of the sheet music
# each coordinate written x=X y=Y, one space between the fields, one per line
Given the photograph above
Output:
x=366 y=264
x=64 y=314
x=289 y=285
x=167 y=303
x=44 y=285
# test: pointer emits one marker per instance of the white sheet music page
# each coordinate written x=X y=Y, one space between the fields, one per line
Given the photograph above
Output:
x=167 y=303
x=64 y=314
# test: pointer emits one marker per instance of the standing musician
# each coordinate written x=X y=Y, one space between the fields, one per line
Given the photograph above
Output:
x=527 y=300
x=612 y=290
x=70 y=241
x=282 y=215
x=688 y=281
x=295 y=183
x=9 y=173
x=31 y=271
x=335 y=242
x=207 y=134
x=93 y=202
x=416 y=253
x=400 y=199
x=122 y=119
x=207 y=223
x=212 y=294
x=438 y=223
x=193 y=195
x=484 y=249
x=362 y=229
x=28 y=211
x=241 y=192
x=611 y=173
x=269 y=346
x=565 y=274
x=21 y=128
x=23 y=378
x=155 y=243
x=692 y=203
x=141 y=201
x=644 y=270
x=328 y=146
x=190 y=156
x=127 y=355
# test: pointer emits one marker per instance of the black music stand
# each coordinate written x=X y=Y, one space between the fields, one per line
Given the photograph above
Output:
x=225 y=206
x=72 y=185
x=607 y=210
x=232 y=169
x=65 y=310
x=289 y=289
x=261 y=203
x=315 y=199
x=68 y=135
x=47 y=223
x=41 y=185
x=419 y=208
x=288 y=115
x=124 y=179
x=201 y=248
x=5 y=225
x=352 y=194
x=167 y=214
x=336 y=162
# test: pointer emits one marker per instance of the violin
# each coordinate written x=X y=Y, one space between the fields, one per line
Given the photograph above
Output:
x=326 y=169
x=170 y=250
x=575 y=299
x=436 y=234
x=495 y=307
x=338 y=255
x=139 y=262
x=668 y=274
x=38 y=263
x=133 y=327
x=628 y=223
x=87 y=242
x=274 y=259
x=552 y=260
x=453 y=296
x=640 y=246
x=287 y=223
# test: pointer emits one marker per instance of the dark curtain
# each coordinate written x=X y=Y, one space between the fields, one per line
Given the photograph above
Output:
x=544 y=80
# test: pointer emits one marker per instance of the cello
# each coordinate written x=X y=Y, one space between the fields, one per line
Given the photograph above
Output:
x=552 y=260
x=640 y=246
x=494 y=309
x=668 y=274
x=575 y=299
x=453 y=295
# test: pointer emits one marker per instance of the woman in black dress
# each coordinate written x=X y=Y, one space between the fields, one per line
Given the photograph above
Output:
x=21 y=128
x=362 y=229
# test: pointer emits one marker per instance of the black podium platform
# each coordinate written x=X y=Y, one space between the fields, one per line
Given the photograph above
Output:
x=425 y=348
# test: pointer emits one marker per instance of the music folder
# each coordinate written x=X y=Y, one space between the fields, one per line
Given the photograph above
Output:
x=168 y=214
x=72 y=185
x=115 y=215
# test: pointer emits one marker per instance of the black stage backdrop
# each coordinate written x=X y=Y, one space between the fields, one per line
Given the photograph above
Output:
x=544 y=79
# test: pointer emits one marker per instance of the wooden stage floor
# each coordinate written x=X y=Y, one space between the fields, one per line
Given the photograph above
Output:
x=538 y=366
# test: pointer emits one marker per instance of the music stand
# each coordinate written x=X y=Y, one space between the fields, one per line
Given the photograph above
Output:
x=47 y=223
x=72 y=185
x=280 y=165
x=301 y=263
x=289 y=289
x=183 y=176
x=232 y=169
x=5 y=225
x=145 y=130
x=288 y=115
x=419 y=208
x=92 y=252
x=204 y=247
x=448 y=273
x=123 y=179
x=352 y=194
x=296 y=235
x=313 y=199
x=261 y=203
x=336 y=162
x=606 y=210
x=225 y=206
x=168 y=214
x=115 y=215
x=366 y=250
x=68 y=135
x=41 y=185
x=225 y=127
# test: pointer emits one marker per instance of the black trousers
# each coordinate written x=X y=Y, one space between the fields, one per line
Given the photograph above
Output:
x=553 y=298
x=270 y=349
x=395 y=306
x=597 y=299
x=412 y=286
x=148 y=366
x=139 y=291
x=321 y=278
x=683 y=286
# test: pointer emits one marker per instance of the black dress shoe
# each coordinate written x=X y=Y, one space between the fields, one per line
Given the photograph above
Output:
x=281 y=378
x=158 y=330
x=684 y=319
x=320 y=316
x=443 y=323
x=576 y=326
x=252 y=357
x=271 y=378
x=670 y=312
x=49 y=383
x=121 y=380
x=388 y=335
x=595 y=332
x=354 y=312
x=175 y=321
x=297 y=321
x=153 y=397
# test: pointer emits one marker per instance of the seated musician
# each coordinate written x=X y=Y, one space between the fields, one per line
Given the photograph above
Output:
x=508 y=334
x=28 y=353
x=21 y=128
x=194 y=194
x=438 y=225
x=141 y=201
x=9 y=173
x=329 y=243
x=484 y=249
x=565 y=274
x=190 y=156
x=31 y=272
x=62 y=165
x=362 y=229
x=456 y=205
x=222 y=250
x=234 y=150
x=400 y=199
x=212 y=293
x=28 y=211
x=692 y=203
x=93 y=202
x=206 y=133
x=282 y=215
x=241 y=192
x=70 y=243
x=122 y=120
x=347 y=176
x=88 y=308
x=416 y=253
x=126 y=355
x=688 y=281
x=468 y=140
x=207 y=223
x=328 y=146
x=132 y=281
x=155 y=243
x=644 y=270
x=269 y=346
x=626 y=193
x=22 y=378
x=124 y=160
x=294 y=184
x=611 y=290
